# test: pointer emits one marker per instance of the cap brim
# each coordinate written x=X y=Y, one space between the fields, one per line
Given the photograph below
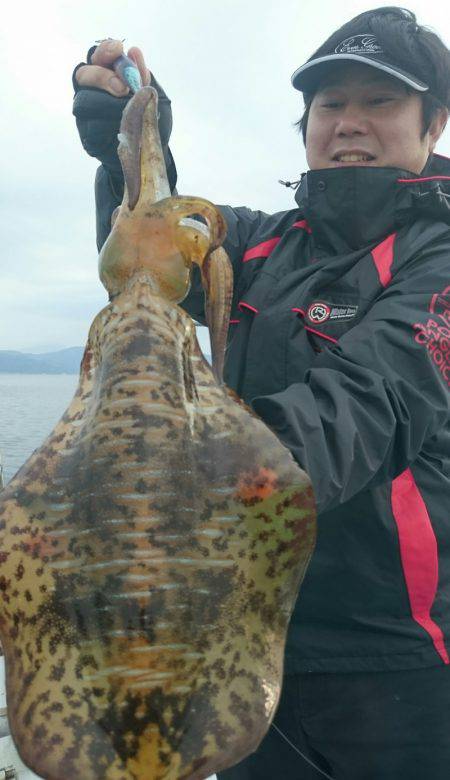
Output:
x=308 y=77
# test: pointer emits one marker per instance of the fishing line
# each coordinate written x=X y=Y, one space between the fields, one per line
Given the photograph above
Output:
x=300 y=752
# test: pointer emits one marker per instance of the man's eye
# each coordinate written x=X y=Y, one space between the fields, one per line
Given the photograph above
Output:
x=332 y=104
x=378 y=101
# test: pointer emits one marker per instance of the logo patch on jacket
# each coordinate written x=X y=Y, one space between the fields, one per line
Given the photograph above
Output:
x=319 y=312
x=434 y=335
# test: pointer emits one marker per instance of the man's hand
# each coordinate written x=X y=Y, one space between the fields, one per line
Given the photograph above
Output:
x=100 y=98
x=100 y=73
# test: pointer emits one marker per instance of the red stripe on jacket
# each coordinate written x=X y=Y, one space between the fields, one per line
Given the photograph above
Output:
x=383 y=256
x=418 y=552
x=261 y=250
x=424 y=178
x=243 y=305
x=266 y=247
x=302 y=224
x=322 y=335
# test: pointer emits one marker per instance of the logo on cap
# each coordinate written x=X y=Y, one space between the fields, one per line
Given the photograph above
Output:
x=359 y=44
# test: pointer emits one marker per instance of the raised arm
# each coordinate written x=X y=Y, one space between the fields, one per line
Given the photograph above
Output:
x=100 y=99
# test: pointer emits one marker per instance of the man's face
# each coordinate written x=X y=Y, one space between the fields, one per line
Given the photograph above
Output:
x=360 y=116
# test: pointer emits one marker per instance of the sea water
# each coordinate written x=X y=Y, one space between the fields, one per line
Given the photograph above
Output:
x=30 y=406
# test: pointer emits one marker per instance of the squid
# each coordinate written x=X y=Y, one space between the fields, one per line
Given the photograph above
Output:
x=153 y=547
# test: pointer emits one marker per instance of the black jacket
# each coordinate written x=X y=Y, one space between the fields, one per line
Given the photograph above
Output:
x=340 y=340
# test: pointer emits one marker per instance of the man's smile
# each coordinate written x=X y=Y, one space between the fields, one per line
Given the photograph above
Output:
x=352 y=157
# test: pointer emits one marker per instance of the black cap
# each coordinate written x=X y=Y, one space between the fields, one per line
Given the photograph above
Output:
x=363 y=48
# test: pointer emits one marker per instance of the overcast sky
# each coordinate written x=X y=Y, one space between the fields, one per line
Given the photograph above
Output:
x=226 y=65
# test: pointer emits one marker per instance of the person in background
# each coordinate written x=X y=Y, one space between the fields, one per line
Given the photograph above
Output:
x=340 y=341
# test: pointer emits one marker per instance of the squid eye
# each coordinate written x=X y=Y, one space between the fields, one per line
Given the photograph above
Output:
x=196 y=222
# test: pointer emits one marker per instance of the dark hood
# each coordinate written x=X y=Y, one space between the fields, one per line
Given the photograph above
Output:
x=348 y=208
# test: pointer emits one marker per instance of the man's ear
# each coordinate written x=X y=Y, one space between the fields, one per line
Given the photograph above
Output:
x=437 y=127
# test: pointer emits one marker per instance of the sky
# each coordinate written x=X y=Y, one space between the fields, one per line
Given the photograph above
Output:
x=226 y=65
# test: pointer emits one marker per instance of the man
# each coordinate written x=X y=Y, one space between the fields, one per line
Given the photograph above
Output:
x=341 y=342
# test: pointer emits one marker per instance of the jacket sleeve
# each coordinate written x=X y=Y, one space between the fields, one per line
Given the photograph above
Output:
x=362 y=413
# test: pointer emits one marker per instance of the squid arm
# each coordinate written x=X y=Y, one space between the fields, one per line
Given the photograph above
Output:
x=147 y=193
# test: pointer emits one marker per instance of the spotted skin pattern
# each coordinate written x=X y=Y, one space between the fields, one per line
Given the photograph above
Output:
x=152 y=549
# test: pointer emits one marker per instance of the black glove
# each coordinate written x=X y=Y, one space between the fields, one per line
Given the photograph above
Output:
x=98 y=116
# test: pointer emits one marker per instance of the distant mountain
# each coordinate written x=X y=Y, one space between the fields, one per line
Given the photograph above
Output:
x=64 y=361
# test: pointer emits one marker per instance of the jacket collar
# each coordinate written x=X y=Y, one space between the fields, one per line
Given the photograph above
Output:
x=349 y=208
